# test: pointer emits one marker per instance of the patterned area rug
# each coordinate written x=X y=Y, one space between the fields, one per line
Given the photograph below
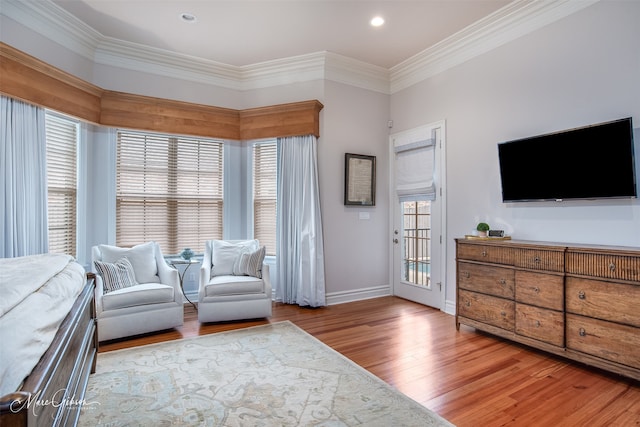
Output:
x=271 y=375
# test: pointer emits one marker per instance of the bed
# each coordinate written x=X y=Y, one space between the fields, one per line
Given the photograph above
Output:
x=48 y=340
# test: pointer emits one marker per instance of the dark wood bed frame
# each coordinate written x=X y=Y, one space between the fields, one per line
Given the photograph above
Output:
x=54 y=391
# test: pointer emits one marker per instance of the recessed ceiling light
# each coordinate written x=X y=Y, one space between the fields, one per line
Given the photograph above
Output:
x=377 y=21
x=188 y=17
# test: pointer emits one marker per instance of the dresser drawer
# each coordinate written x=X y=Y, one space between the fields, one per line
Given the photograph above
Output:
x=616 y=302
x=540 y=324
x=611 y=341
x=542 y=290
x=485 y=253
x=604 y=265
x=486 y=309
x=540 y=259
x=487 y=279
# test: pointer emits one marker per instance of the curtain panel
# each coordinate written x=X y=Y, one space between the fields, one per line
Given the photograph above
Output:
x=300 y=250
x=23 y=172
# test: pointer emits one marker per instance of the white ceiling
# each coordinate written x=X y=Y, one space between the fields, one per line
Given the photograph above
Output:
x=245 y=32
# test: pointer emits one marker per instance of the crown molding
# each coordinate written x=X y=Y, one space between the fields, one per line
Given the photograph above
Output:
x=132 y=56
x=517 y=19
x=296 y=69
x=342 y=69
x=54 y=23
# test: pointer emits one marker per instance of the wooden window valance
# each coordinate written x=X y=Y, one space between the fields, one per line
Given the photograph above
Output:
x=29 y=79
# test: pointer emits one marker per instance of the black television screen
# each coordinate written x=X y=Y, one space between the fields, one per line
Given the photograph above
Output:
x=590 y=162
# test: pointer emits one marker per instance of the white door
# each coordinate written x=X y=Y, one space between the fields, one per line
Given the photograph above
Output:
x=418 y=261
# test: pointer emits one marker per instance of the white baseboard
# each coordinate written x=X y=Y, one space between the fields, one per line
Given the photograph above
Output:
x=332 y=298
x=450 y=307
x=358 y=294
x=342 y=297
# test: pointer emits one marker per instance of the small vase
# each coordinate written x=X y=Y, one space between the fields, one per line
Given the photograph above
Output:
x=482 y=234
x=187 y=253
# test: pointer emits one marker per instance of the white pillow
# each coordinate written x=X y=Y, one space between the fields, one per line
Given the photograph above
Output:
x=118 y=275
x=250 y=263
x=142 y=258
x=225 y=253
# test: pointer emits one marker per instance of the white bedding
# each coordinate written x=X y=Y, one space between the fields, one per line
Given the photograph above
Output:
x=36 y=293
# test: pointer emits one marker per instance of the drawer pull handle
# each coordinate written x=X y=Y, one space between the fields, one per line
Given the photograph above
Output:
x=537 y=323
x=466 y=274
x=483 y=253
x=582 y=295
x=503 y=282
x=582 y=332
x=536 y=289
x=467 y=303
x=612 y=267
x=536 y=260
x=502 y=313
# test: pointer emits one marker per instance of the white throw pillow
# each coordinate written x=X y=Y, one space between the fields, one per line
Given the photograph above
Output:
x=250 y=263
x=142 y=257
x=225 y=253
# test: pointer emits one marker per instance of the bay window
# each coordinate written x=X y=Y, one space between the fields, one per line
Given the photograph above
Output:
x=168 y=189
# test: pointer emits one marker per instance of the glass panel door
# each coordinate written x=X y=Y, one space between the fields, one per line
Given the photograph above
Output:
x=418 y=230
x=417 y=242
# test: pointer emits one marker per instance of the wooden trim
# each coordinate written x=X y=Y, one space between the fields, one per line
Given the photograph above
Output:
x=298 y=118
x=29 y=79
x=162 y=115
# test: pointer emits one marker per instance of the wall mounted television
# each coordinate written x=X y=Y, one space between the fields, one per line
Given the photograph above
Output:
x=590 y=162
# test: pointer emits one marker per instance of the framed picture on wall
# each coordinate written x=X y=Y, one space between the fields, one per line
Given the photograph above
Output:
x=359 y=180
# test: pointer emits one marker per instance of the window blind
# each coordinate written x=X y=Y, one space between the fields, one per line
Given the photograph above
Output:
x=414 y=166
x=62 y=137
x=168 y=189
x=264 y=194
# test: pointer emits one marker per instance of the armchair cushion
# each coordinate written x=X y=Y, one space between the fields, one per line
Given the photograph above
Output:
x=233 y=285
x=118 y=275
x=250 y=263
x=142 y=258
x=226 y=253
x=143 y=294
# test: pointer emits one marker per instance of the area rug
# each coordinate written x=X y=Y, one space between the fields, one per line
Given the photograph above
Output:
x=270 y=375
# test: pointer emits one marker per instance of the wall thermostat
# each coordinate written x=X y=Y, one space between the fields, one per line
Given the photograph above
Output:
x=496 y=233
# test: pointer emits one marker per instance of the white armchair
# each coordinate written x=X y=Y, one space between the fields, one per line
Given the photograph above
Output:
x=153 y=303
x=234 y=282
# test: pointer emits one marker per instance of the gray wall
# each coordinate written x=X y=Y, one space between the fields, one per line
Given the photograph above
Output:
x=580 y=70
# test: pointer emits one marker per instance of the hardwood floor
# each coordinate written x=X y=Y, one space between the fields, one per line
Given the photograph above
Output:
x=469 y=378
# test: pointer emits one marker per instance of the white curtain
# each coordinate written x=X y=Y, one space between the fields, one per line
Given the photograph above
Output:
x=23 y=176
x=300 y=252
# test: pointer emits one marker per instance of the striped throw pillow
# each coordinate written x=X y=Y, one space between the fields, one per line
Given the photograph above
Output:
x=117 y=275
x=250 y=263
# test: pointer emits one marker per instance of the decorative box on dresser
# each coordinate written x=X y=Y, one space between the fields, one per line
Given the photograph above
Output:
x=579 y=302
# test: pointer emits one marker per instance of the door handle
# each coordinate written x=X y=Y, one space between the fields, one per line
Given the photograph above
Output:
x=395 y=241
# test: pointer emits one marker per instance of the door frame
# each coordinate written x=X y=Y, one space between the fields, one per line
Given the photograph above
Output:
x=439 y=180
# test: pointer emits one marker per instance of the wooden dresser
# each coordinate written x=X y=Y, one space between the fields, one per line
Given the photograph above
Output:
x=580 y=302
